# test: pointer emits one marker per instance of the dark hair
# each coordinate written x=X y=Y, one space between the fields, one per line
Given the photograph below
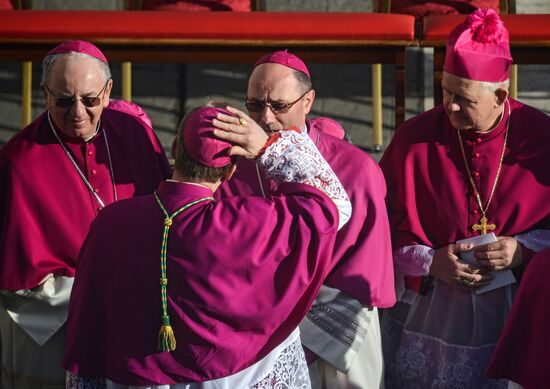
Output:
x=303 y=80
x=193 y=171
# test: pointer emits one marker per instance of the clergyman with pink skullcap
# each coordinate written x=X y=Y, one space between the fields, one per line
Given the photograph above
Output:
x=56 y=176
x=468 y=189
x=341 y=333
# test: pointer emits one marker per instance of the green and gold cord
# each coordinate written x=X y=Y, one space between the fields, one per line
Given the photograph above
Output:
x=167 y=340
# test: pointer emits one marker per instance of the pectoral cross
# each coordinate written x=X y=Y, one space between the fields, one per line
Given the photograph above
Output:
x=483 y=226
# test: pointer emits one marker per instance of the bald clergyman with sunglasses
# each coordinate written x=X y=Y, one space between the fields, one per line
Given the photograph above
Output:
x=55 y=176
x=341 y=334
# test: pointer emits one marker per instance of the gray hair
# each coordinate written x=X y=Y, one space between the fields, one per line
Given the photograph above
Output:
x=493 y=86
x=303 y=80
x=490 y=87
x=50 y=60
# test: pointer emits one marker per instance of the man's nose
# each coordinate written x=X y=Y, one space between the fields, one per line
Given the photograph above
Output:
x=78 y=108
x=267 y=115
x=452 y=105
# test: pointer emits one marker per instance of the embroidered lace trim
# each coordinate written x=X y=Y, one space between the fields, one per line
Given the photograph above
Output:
x=294 y=158
x=413 y=260
x=536 y=240
x=76 y=382
x=290 y=370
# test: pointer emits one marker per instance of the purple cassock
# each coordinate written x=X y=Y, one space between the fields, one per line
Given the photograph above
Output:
x=430 y=200
x=45 y=207
x=364 y=267
x=444 y=336
x=242 y=274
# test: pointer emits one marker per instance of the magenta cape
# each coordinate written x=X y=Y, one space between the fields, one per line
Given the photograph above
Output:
x=46 y=209
x=242 y=274
x=430 y=201
x=523 y=351
x=364 y=268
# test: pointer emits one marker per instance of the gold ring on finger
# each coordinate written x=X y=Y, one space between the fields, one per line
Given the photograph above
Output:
x=242 y=122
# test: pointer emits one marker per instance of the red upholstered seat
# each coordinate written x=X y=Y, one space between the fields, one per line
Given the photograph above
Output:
x=196 y=5
x=217 y=37
x=158 y=25
x=421 y=8
x=6 y=5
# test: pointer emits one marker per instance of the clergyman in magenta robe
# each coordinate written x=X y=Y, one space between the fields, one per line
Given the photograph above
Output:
x=363 y=279
x=479 y=147
x=46 y=207
x=241 y=272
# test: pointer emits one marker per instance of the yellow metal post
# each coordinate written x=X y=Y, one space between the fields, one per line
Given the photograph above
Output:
x=514 y=82
x=126 y=75
x=377 y=106
x=26 y=96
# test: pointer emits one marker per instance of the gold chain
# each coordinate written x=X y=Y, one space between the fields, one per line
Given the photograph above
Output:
x=476 y=192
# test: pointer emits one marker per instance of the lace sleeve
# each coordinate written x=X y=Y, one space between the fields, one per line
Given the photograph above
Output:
x=536 y=240
x=414 y=260
x=74 y=381
x=293 y=157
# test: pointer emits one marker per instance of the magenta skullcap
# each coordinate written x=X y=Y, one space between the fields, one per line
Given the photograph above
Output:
x=79 y=47
x=199 y=140
x=284 y=58
x=479 y=48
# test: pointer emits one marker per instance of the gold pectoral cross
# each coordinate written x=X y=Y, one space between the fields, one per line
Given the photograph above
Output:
x=483 y=226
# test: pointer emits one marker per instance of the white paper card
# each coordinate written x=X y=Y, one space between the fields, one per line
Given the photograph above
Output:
x=500 y=278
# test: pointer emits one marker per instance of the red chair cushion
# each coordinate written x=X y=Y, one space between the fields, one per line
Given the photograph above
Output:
x=329 y=26
x=421 y=8
x=6 y=5
x=196 y=5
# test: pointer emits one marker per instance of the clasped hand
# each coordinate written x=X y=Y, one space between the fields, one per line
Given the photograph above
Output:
x=446 y=264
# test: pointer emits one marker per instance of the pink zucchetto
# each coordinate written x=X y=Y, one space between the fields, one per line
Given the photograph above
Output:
x=284 y=58
x=479 y=48
x=199 y=140
x=79 y=47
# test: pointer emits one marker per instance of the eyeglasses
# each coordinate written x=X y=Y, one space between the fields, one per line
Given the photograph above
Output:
x=67 y=102
x=276 y=107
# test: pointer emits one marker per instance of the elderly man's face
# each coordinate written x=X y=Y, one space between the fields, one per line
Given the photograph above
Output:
x=274 y=83
x=469 y=105
x=76 y=77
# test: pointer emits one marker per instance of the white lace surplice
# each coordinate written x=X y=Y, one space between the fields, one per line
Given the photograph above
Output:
x=445 y=339
x=285 y=367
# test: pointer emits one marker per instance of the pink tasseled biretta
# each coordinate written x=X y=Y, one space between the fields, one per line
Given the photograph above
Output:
x=479 y=48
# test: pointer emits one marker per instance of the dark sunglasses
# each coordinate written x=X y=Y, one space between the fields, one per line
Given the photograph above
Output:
x=67 y=102
x=276 y=107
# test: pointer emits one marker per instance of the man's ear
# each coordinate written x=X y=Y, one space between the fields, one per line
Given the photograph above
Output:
x=107 y=92
x=308 y=101
x=44 y=92
x=502 y=95
x=230 y=173
x=174 y=149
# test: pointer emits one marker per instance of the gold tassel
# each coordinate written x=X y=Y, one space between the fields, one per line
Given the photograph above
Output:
x=167 y=340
